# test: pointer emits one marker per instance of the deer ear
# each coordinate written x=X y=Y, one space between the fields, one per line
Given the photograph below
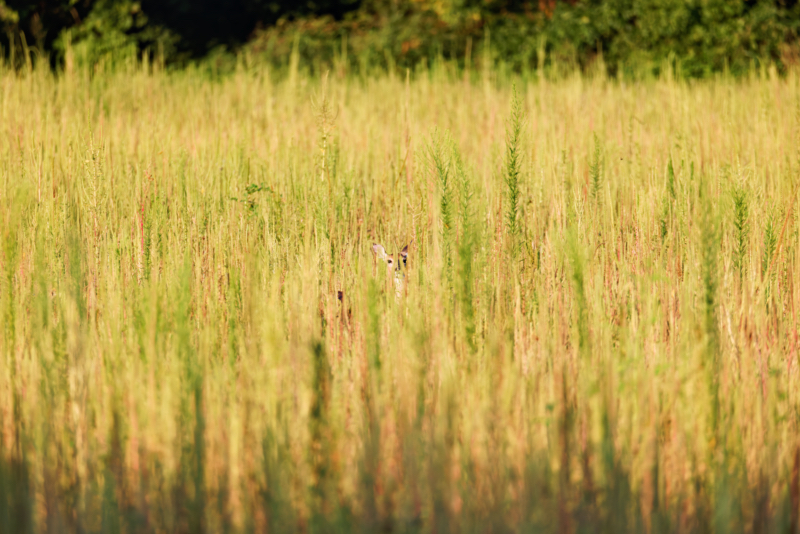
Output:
x=404 y=252
x=379 y=251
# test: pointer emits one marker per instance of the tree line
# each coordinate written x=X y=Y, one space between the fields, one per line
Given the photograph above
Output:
x=697 y=37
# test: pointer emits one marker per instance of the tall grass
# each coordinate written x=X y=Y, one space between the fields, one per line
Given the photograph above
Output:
x=196 y=337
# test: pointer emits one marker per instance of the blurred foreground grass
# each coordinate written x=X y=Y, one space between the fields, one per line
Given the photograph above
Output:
x=598 y=330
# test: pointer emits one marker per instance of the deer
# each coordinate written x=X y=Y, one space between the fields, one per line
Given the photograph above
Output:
x=394 y=266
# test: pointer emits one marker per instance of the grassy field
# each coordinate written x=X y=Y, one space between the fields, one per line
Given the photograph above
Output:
x=596 y=330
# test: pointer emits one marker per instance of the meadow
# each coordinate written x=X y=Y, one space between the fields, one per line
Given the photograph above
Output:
x=596 y=330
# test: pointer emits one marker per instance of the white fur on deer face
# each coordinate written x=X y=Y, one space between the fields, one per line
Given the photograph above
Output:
x=393 y=265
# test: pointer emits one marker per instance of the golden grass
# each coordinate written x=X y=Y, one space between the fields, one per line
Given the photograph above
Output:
x=175 y=357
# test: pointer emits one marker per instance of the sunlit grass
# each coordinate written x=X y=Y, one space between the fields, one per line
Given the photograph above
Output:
x=597 y=330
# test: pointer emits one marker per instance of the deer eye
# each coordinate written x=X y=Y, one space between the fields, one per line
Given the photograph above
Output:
x=389 y=261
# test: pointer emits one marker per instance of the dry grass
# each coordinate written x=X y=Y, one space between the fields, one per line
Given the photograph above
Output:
x=620 y=355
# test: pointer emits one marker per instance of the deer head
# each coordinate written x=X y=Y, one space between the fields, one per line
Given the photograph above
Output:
x=392 y=264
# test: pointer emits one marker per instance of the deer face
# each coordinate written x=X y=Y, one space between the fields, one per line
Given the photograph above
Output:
x=392 y=264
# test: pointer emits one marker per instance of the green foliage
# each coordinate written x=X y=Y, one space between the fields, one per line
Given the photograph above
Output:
x=596 y=171
x=175 y=29
x=374 y=313
x=668 y=203
x=671 y=180
x=741 y=228
x=694 y=38
x=630 y=37
x=770 y=243
x=577 y=263
x=466 y=248
x=633 y=37
x=16 y=499
x=512 y=171
x=439 y=153
x=709 y=240
x=8 y=17
x=97 y=30
x=664 y=221
x=116 y=30
x=320 y=431
x=710 y=245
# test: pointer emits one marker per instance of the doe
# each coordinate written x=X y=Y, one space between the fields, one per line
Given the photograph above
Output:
x=393 y=265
